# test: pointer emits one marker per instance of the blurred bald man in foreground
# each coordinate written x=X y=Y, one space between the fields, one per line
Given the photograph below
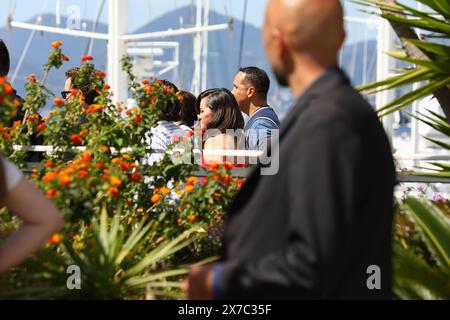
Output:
x=321 y=227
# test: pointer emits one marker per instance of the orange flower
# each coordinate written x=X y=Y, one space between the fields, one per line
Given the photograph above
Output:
x=6 y=136
x=51 y=193
x=87 y=58
x=145 y=82
x=8 y=90
x=164 y=190
x=76 y=139
x=192 y=218
x=104 y=148
x=216 y=195
x=126 y=156
x=58 y=101
x=65 y=58
x=116 y=160
x=149 y=89
x=56 y=44
x=106 y=86
x=55 y=239
x=64 y=179
x=74 y=92
x=192 y=180
x=114 y=192
x=115 y=181
x=40 y=127
x=49 y=177
x=125 y=166
x=137 y=176
x=101 y=74
x=228 y=166
x=155 y=198
x=227 y=179
x=87 y=156
x=94 y=108
x=189 y=188
x=48 y=164
x=100 y=165
x=214 y=166
x=82 y=174
x=138 y=119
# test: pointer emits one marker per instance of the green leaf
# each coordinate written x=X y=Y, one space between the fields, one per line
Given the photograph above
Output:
x=435 y=226
x=415 y=279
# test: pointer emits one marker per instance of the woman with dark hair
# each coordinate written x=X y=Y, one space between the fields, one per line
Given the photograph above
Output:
x=188 y=113
x=40 y=217
x=221 y=121
x=166 y=130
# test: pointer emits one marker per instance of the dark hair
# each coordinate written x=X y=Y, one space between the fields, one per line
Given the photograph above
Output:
x=258 y=79
x=226 y=110
x=89 y=94
x=4 y=59
x=172 y=110
x=188 y=111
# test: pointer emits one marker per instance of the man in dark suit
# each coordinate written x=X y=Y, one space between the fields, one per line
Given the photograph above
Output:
x=320 y=227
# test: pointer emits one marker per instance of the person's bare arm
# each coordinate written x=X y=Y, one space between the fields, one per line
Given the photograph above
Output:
x=40 y=220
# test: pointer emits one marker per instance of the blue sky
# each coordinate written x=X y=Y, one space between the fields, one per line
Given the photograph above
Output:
x=140 y=11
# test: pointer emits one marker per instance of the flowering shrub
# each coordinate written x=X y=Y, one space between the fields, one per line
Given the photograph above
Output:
x=96 y=163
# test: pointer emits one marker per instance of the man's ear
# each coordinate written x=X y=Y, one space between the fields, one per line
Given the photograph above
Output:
x=251 y=92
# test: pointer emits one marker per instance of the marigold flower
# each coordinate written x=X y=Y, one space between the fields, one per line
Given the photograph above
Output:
x=56 y=44
x=55 y=239
x=125 y=166
x=116 y=160
x=49 y=177
x=101 y=74
x=65 y=58
x=145 y=82
x=115 y=181
x=100 y=165
x=192 y=218
x=50 y=193
x=214 y=166
x=40 y=127
x=65 y=179
x=76 y=139
x=138 y=119
x=149 y=89
x=6 y=136
x=155 y=198
x=104 y=148
x=227 y=179
x=48 y=164
x=87 y=58
x=106 y=86
x=58 y=101
x=192 y=180
x=114 y=192
x=87 y=156
x=164 y=190
x=82 y=174
x=189 y=188
x=83 y=133
x=8 y=90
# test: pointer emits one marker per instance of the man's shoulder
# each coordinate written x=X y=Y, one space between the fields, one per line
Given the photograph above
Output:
x=265 y=118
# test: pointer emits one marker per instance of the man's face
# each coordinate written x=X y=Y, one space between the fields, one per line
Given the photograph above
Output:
x=241 y=91
x=274 y=47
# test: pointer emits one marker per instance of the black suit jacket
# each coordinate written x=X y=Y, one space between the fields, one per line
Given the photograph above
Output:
x=313 y=229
